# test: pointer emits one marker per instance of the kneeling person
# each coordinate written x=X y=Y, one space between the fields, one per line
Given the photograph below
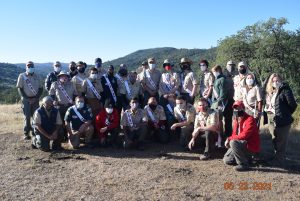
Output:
x=47 y=123
x=78 y=121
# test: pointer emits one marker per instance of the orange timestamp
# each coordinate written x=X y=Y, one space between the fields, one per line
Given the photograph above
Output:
x=244 y=185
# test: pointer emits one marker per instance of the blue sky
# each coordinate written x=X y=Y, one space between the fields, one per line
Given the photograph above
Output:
x=66 y=30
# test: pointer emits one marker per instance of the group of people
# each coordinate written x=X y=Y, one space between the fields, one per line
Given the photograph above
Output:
x=216 y=108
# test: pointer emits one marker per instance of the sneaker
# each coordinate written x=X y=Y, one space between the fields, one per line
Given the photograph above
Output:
x=241 y=168
x=205 y=156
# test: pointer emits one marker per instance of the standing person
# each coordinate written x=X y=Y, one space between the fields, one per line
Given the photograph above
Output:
x=244 y=141
x=206 y=81
x=98 y=65
x=52 y=77
x=47 y=123
x=280 y=105
x=141 y=69
x=92 y=88
x=169 y=82
x=30 y=89
x=77 y=80
x=189 y=81
x=107 y=124
x=134 y=89
x=72 y=69
x=185 y=115
x=150 y=81
x=170 y=116
x=239 y=81
x=156 y=121
x=134 y=122
x=123 y=87
x=78 y=121
x=252 y=97
x=206 y=126
x=110 y=86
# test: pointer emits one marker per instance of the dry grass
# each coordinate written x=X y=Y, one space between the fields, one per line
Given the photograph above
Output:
x=11 y=118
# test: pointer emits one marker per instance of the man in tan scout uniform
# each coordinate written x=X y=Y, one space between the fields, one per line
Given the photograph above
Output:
x=189 y=81
x=135 y=88
x=140 y=70
x=92 y=88
x=156 y=120
x=30 y=89
x=185 y=115
x=123 y=87
x=134 y=124
x=150 y=81
x=206 y=81
x=206 y=126
x=239 y=81
x=169 y=82
x=78 y=79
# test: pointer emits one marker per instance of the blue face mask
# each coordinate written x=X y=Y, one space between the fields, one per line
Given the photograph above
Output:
x=30 y=70
x=98 y=65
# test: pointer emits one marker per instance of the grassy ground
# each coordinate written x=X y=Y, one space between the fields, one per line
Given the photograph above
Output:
x=158 y=173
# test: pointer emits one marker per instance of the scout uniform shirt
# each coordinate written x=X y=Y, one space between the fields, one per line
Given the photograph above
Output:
x=135 y=90
x=72 y=118
x=206 y=82
x=87 y=88
x=121 y=84
x=101 y=72
x=59 y=95
x=229 y=80
x=210 y=118
x=158 y=113
x=189 y=114
x=138 y=117
x=155 y=76
x=77 y=81
x=25 y=85
x=169 y=83
x=238 y=83
x=188 y=80
x=251 y=97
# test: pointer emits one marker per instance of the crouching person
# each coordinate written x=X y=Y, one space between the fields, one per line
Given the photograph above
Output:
x=107 y=124
x=206 y=126
x=47 y=124
x=78 y=121
x=134 y=122
x=244 y=141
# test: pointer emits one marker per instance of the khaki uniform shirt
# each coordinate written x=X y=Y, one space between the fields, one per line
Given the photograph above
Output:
x=251 y=96
x=87 y=90
x=169 y=79
x=238 y=83
x=77 y=81
x=38 y=120
x=188 y=79
x=60 y=97
x=137 y=118
x=189 y=114
x=158 y=113
x=155 y=76
x=211 y=118
x=121 y=85
x=135 y=90
x=34 y=80
x=206 y=82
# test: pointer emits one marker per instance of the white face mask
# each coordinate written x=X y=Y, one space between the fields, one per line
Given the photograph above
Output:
x=109 y=110
x=216 y=74
x=249 y=82
x=276 y=85
x=151 y=66
x=93 y=76
x=30 y=70
x=133 y=105
x=229 y=68
x=79 y=105
x=180 y=106
x=62 y=80
x=203 y=68
x=57 y=69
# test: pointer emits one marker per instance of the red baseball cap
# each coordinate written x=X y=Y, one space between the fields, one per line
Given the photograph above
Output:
x=238 y=104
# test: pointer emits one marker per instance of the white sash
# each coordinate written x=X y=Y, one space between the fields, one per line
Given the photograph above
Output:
x=110 y=88
x=180 y=114
x=130 y=122
x=127 y=88
x=91 y=86
x=150 y=79
x=64 y=92
x=151 y=115
x=78 y=114
x=119 y=78
x=79 y=78
x=167 y=81
x=107 y=123
x=170 y=109
x=29 y=85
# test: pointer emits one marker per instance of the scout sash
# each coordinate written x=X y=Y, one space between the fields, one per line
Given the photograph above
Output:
x=130 y=122
x=127 y=88
x=78 y=114
x=151 y=115
x=119 y=78
x=166 y=78
x=110 y=88
x=64 y=92
x=180 y=114
x=170 y=109
x=150 y=79
x=91 y=86
x=29 y=85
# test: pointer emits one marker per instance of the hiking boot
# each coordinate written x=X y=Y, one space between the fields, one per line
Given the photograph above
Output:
x=241 y=168
x=205 y=156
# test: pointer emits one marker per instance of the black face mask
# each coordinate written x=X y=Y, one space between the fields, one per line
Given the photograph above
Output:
x=242 y=71
x=110 y=73
x=73 y=69
x=152 y=106
x=81 y=70
x=238 y=113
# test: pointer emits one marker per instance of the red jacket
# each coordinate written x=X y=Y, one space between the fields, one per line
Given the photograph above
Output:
x=248 y=131
x=101 y=119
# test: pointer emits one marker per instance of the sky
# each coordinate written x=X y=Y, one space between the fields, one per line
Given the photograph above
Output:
x=74 y=30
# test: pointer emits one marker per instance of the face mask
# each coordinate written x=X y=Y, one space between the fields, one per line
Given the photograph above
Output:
x=152 y=106
x=98 y=65
x=186 y=67
x=242 y=71
x=203 y=68
x=238 y=113
x=230 y=68
x=152 y=66
x=62 y=80
x=57 y=69
x=79 y=105
x=81 y=70
x=276 y=85
x=134 y=105
x=49 y=108
x=168 y=68
x=249 y=82
x=93 y=76
x=216 y=74
x=109 y=110
x=30 y=70
x=180 y=106
x=73 y=68
x=111 y=73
